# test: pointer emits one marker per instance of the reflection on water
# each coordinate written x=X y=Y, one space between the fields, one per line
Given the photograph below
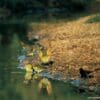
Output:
x=11 y=80
x=45 y=84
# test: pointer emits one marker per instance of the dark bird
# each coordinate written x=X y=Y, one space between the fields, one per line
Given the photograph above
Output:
x=85 y=73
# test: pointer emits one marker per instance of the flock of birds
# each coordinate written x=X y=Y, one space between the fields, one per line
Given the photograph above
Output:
x=33 y=69
x=44 y=56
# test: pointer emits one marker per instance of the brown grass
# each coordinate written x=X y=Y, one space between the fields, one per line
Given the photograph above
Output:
x=74 y=43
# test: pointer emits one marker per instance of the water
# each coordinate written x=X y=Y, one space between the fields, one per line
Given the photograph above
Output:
x=12 y=86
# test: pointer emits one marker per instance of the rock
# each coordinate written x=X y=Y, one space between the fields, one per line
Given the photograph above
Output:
x=21 y=58
x=91 y=88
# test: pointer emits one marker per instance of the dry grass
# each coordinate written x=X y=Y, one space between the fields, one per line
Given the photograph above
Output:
x=74 y=43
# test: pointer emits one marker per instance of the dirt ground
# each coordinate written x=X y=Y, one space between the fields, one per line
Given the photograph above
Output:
x=73 y=44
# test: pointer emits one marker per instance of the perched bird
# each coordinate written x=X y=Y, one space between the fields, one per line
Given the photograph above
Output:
x=30 y=54
x=29 y=72
x=37 y=69
x=29 y=68
x=45 y=56
x=45 y=84
x=85 y=73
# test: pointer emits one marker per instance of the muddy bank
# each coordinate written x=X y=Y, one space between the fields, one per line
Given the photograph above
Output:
x=73 y=45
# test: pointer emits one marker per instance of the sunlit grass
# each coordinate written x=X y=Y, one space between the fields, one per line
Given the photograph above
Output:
x=71 y=41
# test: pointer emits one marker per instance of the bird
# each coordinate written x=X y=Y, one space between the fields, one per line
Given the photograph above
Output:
x=45 y=57
x=85 y=73
x=37 y=69
x=30 y=54
x=29 y=68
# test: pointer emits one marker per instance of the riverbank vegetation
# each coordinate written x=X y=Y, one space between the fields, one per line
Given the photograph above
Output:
x=68 y=28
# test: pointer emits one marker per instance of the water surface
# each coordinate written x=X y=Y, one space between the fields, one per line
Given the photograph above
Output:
x=12 y=86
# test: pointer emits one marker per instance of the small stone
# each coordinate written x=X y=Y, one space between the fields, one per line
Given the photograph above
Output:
x=91 y=88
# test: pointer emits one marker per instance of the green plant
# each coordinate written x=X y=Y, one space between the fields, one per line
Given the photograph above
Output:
x=94 y=19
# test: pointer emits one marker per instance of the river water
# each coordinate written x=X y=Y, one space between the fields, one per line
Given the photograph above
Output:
x=12 y=85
